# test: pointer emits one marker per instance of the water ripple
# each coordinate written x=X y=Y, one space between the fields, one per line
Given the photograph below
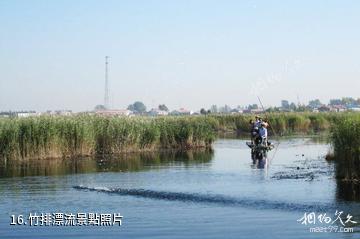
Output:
x=211 y=198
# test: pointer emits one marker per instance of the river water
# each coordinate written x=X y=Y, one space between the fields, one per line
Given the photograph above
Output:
x=214 y=194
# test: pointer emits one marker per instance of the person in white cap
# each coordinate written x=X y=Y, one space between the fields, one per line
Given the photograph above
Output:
x=263 y=133
x=258 y=121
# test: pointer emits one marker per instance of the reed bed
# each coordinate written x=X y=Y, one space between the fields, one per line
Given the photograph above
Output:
x=282 y=123
x=82 y=135
x=55 y=137
x=345 y=139
x=345 y=134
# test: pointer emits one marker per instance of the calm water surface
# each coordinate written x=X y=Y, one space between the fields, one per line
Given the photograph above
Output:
x=218 y=194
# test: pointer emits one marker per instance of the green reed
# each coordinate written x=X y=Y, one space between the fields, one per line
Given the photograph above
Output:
x=56 y=136
x=345 y=134
x=281 y=123
x=345 y=139
x=48 y=137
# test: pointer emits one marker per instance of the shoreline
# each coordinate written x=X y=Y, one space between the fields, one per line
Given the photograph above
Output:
x=66 y=137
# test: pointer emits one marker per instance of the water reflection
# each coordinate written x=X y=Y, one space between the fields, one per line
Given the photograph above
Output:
x=121 y=163
x=347 y=191
x=260 y=163
x=259 y=158
x=347 y=176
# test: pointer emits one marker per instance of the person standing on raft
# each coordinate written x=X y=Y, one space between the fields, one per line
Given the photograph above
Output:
x=263 y=134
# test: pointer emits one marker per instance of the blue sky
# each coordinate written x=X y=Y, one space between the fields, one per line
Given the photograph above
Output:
x=182 y=53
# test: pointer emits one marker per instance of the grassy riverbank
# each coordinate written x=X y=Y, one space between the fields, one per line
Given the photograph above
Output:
x=345 y=139
x=345 y=134
x=282 y=123
x=55 y=137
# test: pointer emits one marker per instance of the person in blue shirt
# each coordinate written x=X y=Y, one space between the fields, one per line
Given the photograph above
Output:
x=263 y=133
x=258 y=121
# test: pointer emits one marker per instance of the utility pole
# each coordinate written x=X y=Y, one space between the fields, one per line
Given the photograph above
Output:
x=106 y=96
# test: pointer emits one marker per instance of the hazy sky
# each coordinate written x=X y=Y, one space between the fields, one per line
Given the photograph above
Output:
x=182 y=53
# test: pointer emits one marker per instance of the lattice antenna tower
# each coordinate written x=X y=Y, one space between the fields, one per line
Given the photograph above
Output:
x=106 y=95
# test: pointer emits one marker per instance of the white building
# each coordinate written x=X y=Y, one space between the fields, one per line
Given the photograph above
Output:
x=357 y=109
x=157 y=112
x=114 y=112
x=256 y=111
x=63 y=112
x=26 y=114
x=182 y=111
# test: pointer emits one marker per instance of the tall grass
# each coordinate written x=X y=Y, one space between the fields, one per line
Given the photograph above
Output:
x=281 y=123
x=345 y=134
x=53 y=137
x=345 y=138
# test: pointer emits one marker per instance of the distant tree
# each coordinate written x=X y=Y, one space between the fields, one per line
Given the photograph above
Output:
x=214 y=109
x=348 y=101
x=209 y=111
x=253 y=107
x=137 y=107
x=292 y=106
x=335 y=102
x=163 y=107
x=203 y=111
x=285 y=104
x=315 y=103
x=301 y=108
x=227 y=109
x=100 y=108
x=272 y=109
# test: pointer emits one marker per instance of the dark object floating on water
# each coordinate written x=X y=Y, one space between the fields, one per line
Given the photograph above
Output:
x=330 y=157
x=270 y=146
x=292 y=175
